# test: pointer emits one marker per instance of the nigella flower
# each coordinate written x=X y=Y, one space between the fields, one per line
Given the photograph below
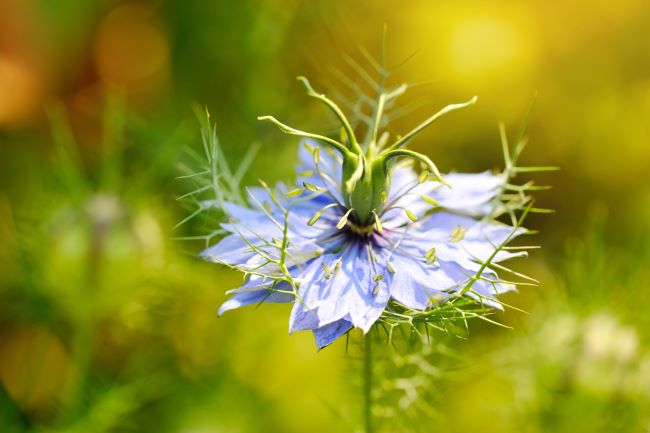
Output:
x=364 y=234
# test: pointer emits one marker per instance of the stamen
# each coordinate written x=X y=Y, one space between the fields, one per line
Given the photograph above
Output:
x=294 y=192
x=378 y=225
x=326 y=178
x=458 y=234
x=373 y=255
x=271 y=194
x=410 y=215
x=327 y=270
x=404 y=190
x=315 y=217
x=313 y=188
x=337 y=267
x=344 y=220
x=430 y=256
x=429 y=200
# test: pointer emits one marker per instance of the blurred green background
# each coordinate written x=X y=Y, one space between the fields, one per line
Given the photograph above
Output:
x=107 y=324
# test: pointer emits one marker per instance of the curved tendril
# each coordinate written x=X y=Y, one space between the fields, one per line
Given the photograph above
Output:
x=292 y=131
x=336 y=110
x=419 y=157
x=449 y=108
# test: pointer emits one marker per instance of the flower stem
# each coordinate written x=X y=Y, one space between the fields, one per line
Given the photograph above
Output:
x=367 y=383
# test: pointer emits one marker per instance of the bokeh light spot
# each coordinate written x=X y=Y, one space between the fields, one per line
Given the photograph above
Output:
x=131 y=50
x=483 y=45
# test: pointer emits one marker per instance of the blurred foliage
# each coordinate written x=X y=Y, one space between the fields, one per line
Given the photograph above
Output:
x=108 y=324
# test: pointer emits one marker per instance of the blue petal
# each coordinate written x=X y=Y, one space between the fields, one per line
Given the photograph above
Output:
x=477 y=243
x=254 y=294
x=254 y=231
x=302 y=212
x=301 y=208
x=236 y=251
x=469 y=194
x=406 y=192
x=326 y=335
x=358 y=292
x=330 y=166
x=402 y=177
x=303 y=318
x=242 y=213
x=231 y=250
x=419 y=285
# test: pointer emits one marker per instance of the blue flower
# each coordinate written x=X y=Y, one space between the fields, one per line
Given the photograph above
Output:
x=415 y=243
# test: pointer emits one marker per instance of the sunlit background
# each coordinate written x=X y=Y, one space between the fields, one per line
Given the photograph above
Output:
x=108 y=324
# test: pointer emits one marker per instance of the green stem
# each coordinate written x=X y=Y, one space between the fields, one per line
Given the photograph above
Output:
x=367 y=383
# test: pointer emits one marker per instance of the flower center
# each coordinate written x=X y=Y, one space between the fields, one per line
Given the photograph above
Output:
x=361 y=230
x=365 y=180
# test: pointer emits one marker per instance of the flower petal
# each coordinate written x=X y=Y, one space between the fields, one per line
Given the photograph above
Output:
x=469 y=194
x=337 y=286
x=419 y=285
x=255 y=294
x=327 y=334
x=330 y=166
x=231 y=250
x=458 y=238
